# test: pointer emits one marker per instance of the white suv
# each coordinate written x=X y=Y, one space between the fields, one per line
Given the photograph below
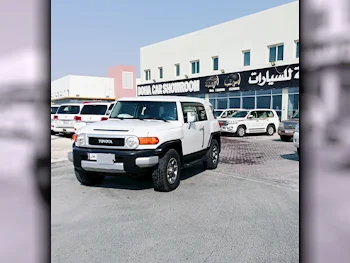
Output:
x=66 y=117
x=251 y=121
x=148 y=135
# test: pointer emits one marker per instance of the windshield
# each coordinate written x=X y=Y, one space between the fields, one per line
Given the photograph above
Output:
x=69 y=109
x=54 y=110
x=217 y=113
x=145 y=110
x=296 y=115
x=110 y=109
x=239 y=114
x=91 y=109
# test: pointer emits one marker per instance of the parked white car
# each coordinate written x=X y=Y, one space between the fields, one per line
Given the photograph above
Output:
x=54 y=109
x=226 y=114
x=157 y=135
x=66 y=117
x=251 y=121
x=296 y=138
x=92 y=112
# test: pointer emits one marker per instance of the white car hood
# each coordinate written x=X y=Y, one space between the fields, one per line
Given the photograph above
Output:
x=231 y=119
x=132 y=127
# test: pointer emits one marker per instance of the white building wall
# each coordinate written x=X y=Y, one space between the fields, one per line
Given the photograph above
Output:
x=82 y=87
x=227 y=41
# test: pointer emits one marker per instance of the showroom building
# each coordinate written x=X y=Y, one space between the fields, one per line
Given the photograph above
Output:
x=250 y=62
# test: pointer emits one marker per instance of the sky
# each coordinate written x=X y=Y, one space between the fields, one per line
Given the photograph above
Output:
x=89 y=36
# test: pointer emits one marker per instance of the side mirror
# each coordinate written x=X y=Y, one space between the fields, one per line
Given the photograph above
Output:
x=191 y=117
x=250 y=117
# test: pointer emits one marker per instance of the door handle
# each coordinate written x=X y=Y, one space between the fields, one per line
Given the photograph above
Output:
x=201 y=129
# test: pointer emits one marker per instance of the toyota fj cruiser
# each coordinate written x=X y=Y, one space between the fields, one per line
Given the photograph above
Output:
x=157 y=135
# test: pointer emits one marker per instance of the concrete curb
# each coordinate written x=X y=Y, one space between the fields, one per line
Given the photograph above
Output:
x=59 y=160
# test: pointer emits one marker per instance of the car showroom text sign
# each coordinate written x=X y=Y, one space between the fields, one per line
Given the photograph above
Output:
x=267 y=78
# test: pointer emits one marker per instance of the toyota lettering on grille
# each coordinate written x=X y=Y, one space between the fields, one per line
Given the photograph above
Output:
x=105 y=141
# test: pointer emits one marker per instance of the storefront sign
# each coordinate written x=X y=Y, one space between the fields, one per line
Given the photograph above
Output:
x=268 y=78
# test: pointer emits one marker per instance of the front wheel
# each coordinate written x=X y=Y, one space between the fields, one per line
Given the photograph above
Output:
x=88 y=179
x=240 y=131
x=166 y=177
x=212 y=157
x=270 y=130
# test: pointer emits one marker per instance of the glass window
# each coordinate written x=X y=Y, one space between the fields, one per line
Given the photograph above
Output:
x=148 y=74
x=293 y=104
x=93 y=109
x=68 y=109
x=246 y=58
x=221 y=103
x=215 y=63
x=297 y=49
x=222 y=95
x=202 y=115
x=276 y=91
x=160 y=73
x=234 y=94
x=276 y=53
x=263 y=102
x=259 y=92
x=212 y=95
x=280 y=52
x=277 y=102
x=293 y=90
x=145 y=110
x=248 y=102
x=195 y=67
x=235 y=103
x=248 y=93
x=212 y=102
x=240 y=114
x=272 y=57
x=177 y=70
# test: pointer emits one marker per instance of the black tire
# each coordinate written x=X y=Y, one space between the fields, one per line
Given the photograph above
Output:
x=270 y=130
x=285 y=138
x=240 y=131
x=160 y=179
x=211 y=162
x=88 y=179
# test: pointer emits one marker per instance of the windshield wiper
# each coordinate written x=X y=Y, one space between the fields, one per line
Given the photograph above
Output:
x=158 y=119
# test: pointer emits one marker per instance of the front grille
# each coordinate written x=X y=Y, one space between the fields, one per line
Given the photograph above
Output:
x=106 y=141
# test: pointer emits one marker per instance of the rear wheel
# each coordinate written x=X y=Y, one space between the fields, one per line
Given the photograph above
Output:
x=212 y=157
x=166 y=177
x=285 y=138
x=270 y=130
x=87 y=178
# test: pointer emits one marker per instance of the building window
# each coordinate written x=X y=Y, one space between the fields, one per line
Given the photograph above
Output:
x=246 y=58
x=248 y=103
x=177 y=70
x=276 y=53
x=160 y=72
x=215 y=63
x=195 y=67
x=148 y=74
x=297 y=49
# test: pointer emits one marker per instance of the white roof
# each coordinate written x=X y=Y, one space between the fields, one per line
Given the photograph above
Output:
x=97 y=103
x=71 y=104
x=164 y=98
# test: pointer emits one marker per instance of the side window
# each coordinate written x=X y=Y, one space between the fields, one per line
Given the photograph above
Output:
x=202 y=115
x=254 y=114
x=270 y=114
x=262 y=114
x=187 y=107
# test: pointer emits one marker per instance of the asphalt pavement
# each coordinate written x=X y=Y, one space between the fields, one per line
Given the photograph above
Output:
x=247 y=210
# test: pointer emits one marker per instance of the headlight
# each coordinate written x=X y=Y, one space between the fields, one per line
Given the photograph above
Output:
x=132 y=142
x=80 y=140
x=297 y=128
x=281 y=125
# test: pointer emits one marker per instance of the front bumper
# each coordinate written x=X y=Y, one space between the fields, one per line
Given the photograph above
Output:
x=125 y=161
x=231 y=128
x=63 y=130
x=296 y=139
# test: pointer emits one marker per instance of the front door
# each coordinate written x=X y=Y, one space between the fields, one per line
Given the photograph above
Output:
x=192 y=132
x=253 y=122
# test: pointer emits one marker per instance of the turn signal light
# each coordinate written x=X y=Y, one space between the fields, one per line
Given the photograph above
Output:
x=77 y=118
x=74 y=137
x=148 y=140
